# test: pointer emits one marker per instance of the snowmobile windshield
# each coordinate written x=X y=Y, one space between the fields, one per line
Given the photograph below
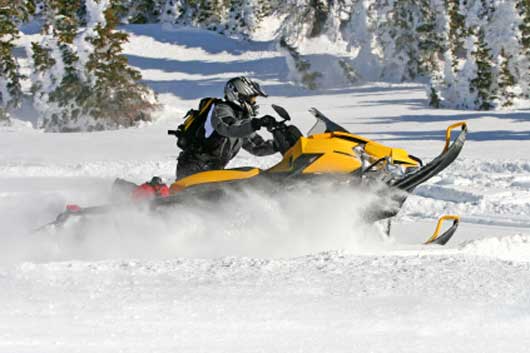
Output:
x=319 y=128
x=323 y=124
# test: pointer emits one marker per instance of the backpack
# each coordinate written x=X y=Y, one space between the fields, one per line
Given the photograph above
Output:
x=193 y=126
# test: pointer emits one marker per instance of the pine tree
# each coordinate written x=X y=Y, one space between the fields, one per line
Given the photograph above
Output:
x=57 y=84
x=432 y=36
x=116 y=97
x=457 y=32
x=360 y=34
x=301 y=67
x=171 y=11
x=524 y=10
x=349 y=72
x=82 y=81
x=11 y=13
x=507 y=81
x=39 y=6
x=145 y=11
x=210 y=14
x=265 y=9
x=398 y=36
x=242 y=17
x=320 y=14
x=406 y=18
x=482 y=84
x=504 y=39
x=434 y=98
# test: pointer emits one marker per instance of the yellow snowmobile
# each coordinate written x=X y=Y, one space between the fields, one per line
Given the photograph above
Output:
x=329 y=150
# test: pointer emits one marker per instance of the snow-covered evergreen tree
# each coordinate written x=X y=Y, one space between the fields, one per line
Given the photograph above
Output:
x=394 y=40
x=266 y=8
x=507 y=84
x=300 y=68
x=398 y=36
x=432 y=35
x=504 y=39
x=471 y=78
x=11 y=13
x=171 y=11
x=144 y=11
x=210 y=14
x=57 y=86
x=436 y=57
x=359 y=34
x=297 y=25
x=242 y=17
x=524 y=11
x=115 y=97
x=482 y=83
x=82 y=80
x=38 y=6
x=411 y=36
x=457 y=31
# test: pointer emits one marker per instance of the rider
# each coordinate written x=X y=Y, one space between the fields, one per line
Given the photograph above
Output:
x=231 y=124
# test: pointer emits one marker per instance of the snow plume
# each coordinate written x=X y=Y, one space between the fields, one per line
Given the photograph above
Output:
x=249 y=222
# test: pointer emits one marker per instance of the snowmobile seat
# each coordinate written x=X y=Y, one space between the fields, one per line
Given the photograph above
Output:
x=214 y=176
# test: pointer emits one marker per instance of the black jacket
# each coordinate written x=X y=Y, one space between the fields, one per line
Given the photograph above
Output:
x=227 y=129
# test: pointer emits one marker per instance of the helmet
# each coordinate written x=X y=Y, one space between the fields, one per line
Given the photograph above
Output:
x=242 y=91
x=156 y=181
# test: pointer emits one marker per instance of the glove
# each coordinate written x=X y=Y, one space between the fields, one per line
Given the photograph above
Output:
x=267 y=121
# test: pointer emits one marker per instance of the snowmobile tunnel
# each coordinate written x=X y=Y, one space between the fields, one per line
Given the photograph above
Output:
x=213 y=176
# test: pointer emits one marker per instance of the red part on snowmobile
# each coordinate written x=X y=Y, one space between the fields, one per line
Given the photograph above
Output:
x=73 y=208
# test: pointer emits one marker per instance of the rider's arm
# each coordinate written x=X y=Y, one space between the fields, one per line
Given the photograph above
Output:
x=225 y=123
x=256 y=145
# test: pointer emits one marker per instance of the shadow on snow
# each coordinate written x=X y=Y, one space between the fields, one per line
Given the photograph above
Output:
x=439 y=135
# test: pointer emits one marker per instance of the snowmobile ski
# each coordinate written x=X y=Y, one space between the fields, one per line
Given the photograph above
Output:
x=449 y=154
x=442 y=239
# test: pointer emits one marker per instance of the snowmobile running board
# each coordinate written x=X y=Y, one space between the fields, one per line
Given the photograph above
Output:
x=442 y=239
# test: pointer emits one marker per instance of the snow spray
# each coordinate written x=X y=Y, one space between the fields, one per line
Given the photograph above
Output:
x=306 y=218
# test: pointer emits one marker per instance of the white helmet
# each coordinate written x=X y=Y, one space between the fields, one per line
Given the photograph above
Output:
x=241 y=90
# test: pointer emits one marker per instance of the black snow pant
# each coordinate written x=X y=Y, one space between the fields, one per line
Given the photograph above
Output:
x=188 y=164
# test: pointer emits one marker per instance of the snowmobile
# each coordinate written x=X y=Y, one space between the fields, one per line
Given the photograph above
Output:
x=328 y=151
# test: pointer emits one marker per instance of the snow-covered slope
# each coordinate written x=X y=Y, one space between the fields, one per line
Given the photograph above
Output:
x=329 y=302
x=261 y=274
